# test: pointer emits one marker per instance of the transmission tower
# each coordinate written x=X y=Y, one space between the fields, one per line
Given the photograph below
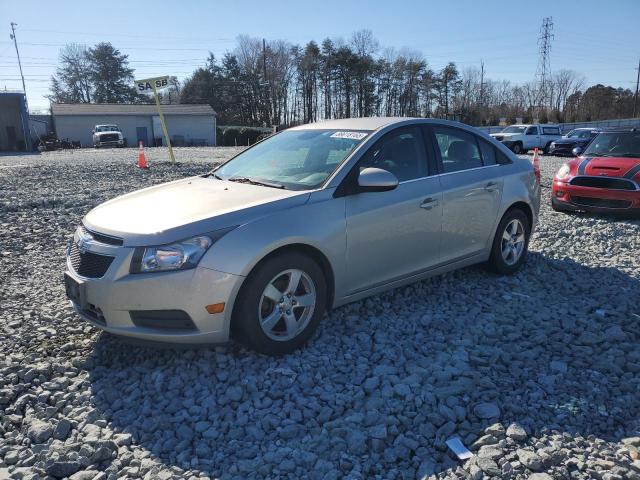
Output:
x=544 y=62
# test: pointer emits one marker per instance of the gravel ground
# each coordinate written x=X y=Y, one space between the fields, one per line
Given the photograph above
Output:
x=537 y=373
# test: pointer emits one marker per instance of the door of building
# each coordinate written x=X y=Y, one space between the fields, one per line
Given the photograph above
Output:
x=141 y=133
x=12 y=138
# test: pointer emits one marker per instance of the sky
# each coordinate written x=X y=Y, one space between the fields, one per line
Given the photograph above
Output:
x=600 y=40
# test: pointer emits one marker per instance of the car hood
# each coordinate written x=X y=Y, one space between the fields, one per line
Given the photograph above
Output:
x=505 y=135
x=609 y=167
x=570 y=141
x=184 y=208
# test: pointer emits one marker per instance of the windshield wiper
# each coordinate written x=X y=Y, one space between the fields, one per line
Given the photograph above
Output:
x=255 y=182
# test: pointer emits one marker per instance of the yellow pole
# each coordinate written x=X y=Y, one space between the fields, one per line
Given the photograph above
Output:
x=164 y=126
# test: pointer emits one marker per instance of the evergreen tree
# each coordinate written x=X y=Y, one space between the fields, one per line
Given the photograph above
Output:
x=111 y=76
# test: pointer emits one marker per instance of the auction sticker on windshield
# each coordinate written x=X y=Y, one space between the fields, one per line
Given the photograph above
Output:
x=352 y=135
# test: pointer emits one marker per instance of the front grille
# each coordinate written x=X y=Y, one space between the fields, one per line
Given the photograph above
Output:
x=603 y=182
x=102 y=238
x=600 y=202
x=89 y=264
x=110 y=137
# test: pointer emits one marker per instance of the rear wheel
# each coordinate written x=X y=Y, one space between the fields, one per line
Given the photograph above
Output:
x=281 y=304
x=511 y=242
x=517 y=148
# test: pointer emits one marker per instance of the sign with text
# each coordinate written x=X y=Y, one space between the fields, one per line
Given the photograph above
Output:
x=149 y=84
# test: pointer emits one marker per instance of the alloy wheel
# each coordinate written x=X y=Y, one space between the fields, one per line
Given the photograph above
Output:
x=287 y=304
x=513 y=240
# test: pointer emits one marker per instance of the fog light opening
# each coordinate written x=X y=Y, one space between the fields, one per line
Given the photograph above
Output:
x=559 y=193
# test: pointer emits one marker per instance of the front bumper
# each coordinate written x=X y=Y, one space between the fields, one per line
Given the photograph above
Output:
x=110 y=143
x=572 y=197
x=108 y=302
x=562 y=150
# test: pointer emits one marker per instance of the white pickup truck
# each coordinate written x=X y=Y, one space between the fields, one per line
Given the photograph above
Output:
x=521 y=138
x=108 y=136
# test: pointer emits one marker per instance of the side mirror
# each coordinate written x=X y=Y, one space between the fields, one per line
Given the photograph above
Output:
x=376 y=180
x=576 y=151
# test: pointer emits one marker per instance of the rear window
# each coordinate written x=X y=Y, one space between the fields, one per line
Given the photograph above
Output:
x=551 y=130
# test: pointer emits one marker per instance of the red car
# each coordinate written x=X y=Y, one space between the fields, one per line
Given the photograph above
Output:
x=604 y=178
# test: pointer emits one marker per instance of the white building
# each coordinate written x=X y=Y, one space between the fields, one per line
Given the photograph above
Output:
x=187 y=125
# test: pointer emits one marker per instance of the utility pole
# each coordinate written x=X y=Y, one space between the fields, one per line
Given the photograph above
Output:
x=544 y=64
x=635 y=97
x=15 y=43
x=481 y=88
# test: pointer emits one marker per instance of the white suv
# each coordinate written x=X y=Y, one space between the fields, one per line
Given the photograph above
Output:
x=521 y=138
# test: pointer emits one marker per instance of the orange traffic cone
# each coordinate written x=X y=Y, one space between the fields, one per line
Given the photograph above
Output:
x=536 y=164
x=142 y=161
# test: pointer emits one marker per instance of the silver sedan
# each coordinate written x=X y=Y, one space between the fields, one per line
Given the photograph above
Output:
x=309 y=219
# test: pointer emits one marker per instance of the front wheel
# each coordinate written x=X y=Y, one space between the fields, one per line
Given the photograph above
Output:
x=517 y=148
x=511 y=242
x=281 y=304
x=547 y=147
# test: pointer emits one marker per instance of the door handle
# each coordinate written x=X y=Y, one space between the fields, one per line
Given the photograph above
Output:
x=429 y=203
x=491 y=186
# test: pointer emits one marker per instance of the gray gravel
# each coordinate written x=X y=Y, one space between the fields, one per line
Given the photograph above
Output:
x=538 y=373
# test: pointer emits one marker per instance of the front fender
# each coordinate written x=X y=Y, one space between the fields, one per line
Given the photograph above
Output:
x=319 y=223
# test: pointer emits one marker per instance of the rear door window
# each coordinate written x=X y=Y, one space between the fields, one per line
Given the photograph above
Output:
x=488 y=153
x=458 y=149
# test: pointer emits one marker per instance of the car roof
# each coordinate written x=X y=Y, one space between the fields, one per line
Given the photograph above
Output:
x=620 y=130
x=364 y=123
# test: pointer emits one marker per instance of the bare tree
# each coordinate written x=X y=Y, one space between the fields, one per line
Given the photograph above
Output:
x=72 y=81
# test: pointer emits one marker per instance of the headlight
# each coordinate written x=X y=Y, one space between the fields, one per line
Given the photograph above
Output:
x=553 y=144
x=564 y=171
x=175 y=256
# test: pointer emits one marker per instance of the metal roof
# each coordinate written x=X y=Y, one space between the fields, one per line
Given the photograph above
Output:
x=128 y=109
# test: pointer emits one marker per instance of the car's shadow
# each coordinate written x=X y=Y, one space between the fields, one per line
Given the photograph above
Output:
x=557 y=350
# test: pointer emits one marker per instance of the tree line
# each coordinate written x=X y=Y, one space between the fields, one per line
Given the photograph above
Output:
x=266 y=83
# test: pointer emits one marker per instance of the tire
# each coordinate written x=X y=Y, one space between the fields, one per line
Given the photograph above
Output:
x=545 y=150
x=257 y=304
x=557 y=207
x=517 y=148
x=511 y=263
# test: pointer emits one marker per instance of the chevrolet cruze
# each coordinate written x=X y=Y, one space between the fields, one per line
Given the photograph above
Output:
x=309 y=219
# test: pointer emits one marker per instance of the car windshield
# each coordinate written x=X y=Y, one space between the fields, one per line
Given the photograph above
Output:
x=514 y=129
x=293 y=159
x=579 y=134
x=107 y=128
x=615 y=144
